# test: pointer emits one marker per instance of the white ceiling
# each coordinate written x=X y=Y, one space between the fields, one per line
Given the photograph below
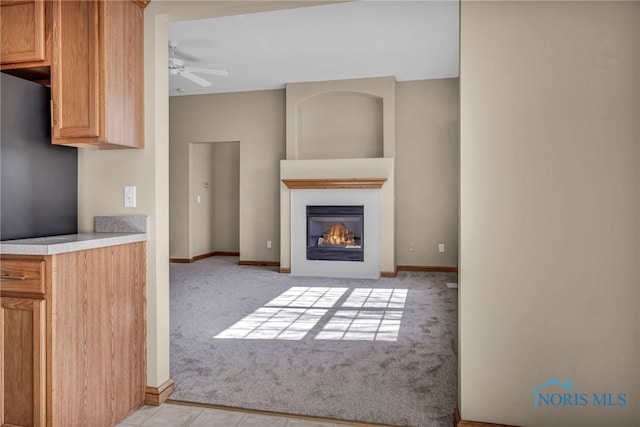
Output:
x=411 y=40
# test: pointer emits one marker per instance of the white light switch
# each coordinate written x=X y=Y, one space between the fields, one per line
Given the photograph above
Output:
x=130 y=196
x=441 y=247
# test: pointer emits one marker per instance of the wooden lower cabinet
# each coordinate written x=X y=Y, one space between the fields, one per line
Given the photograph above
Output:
x=23 y=359
x=74 y=354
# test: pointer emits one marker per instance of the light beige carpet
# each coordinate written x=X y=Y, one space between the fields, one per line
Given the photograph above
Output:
x=381 y=351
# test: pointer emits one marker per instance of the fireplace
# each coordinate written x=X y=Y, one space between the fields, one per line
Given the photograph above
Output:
x=335 y=233
x=314 y=211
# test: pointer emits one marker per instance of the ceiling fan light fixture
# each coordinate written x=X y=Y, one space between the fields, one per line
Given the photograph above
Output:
x=176 y=63
x=177 y=67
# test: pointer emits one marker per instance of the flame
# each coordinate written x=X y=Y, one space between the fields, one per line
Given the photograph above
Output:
x=338 y=234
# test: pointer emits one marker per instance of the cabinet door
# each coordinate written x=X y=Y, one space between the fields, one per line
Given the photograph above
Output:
x=76 y=71
x=23 y=362
x=22 y=31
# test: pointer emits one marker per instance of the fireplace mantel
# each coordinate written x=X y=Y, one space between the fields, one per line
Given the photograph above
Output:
x=334 y=183
x=337 y=182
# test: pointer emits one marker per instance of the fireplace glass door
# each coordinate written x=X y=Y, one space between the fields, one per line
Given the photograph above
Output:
x=335 y=233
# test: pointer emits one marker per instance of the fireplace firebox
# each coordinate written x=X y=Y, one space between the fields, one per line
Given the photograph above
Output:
x=335 y=233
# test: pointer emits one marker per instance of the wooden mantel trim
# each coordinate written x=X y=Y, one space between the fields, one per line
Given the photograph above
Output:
x=334 y=183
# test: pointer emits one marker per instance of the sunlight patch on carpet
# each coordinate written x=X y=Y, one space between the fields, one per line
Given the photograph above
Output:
x=377 y=298
x=274 y=324
x=308 y=297
x=362 y=325
x=316 y=312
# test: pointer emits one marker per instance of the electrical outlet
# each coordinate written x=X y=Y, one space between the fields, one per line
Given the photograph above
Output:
x=410 y=247
x=268 y=244
x=441 y=247
x=130 y=196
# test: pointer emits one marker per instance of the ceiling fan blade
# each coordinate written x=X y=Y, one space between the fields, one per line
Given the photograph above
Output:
x=213 y=72
x=198 y=80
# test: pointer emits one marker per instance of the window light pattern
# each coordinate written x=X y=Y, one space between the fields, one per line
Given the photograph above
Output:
x=362 y=326
x=325 y=313
x=308 y=297
x=376 y=298
x=275 y=324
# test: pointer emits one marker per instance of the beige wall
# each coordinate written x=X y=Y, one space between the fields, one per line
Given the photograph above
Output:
x=340 y=125
x=201 y=199
x=550 y=209
x=256 y=119
x=226 y=192
x=427 y=171
x=180 y=199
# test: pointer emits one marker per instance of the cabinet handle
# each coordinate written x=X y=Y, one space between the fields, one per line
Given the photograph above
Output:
x=9 y=277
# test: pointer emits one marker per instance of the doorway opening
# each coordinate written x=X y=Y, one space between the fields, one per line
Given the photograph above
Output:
x=205 y=201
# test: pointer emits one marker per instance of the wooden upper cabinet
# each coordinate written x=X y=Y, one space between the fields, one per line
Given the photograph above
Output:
x=24 y=33
x=91 y=52
x=97 y=74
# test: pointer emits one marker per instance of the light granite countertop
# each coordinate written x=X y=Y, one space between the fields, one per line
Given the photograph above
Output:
x=68 y=243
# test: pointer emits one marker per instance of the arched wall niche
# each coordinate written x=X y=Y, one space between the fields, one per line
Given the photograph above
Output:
x=341 y=119
x=340 y=125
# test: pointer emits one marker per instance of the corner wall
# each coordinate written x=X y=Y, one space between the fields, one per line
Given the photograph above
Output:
x=427 y=171
x=103 y=174
x=550 y=210
x=256 y=119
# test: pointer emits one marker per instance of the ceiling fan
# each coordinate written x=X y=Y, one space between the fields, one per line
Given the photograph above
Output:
x=177 y=67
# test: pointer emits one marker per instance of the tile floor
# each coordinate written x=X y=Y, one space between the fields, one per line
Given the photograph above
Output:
x=172 y=415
